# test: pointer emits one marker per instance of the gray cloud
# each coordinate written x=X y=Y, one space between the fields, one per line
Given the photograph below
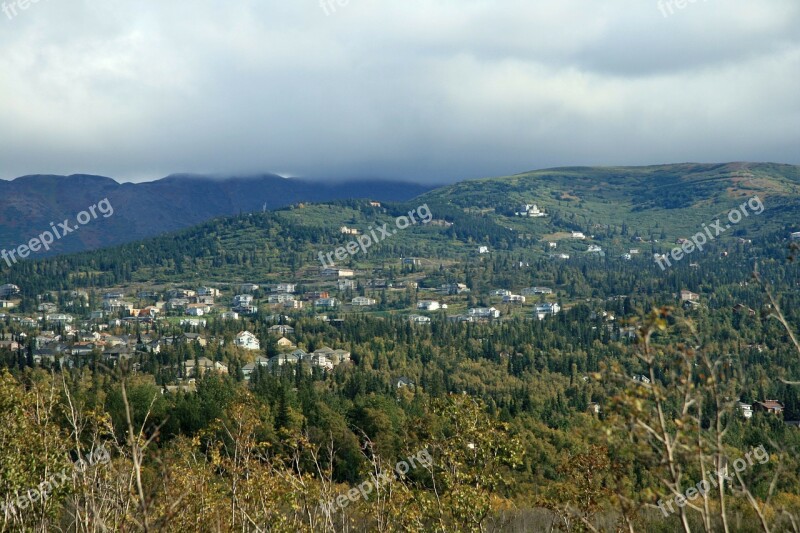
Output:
x=422 y=89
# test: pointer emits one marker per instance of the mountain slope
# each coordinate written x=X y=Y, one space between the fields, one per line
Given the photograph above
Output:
x=142 y=210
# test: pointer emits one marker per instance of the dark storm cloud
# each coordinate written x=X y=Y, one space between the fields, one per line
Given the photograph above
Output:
x=423 y=90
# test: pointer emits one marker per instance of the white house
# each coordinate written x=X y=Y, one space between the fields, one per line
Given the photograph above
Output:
x=530 y=210
x=345 y=284
x=593 y=248
x=286 y=287
x=230 y=315
x=8 y=290
x=546 y=309
x=362 y=301
x=484 y=312
x=280 y=298
x=419 y=319
x=501 y=292
x=241 y=300
x=326 y=302
x=428 y=305
x=532 y=291
x=208 y=291
x=746 y=409
x=578 y=235
x=513 y=299
x=248 y=287
x=483 y=250
x=247 y=340
x=193 y=322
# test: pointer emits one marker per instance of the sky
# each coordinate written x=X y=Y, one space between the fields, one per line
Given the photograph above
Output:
x=421 y=90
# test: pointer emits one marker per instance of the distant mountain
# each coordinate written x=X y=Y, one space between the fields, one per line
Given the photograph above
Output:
x=30 y=203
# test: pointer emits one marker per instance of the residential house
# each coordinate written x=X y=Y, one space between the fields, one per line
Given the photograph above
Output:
x=639 y=378
x=280 y=298
x=419 y=319
x=246 y=309
x=344 y=230
x=197 y=309
x=346 y=284
x=230 y=315
x=404 y=383
x=283 y=342
x=326 y=302
x=772 y=407
x=795 y=236
x=546 y=309
x=7 y=304
x=8 y=290
x=247 y=340
x=530 y=210
x=47 y=307
x=113 y=296
x=501 y=292
x=249 y=368
x=281 y=329
x=413 y=261
x=483 y=250
x=242 y=299
x=338 y=272
x=689 y=296
x=363 y=301
x=9 y=345
x=454 y=288
x=746 y=409
x=196 y=368
x=248 y=287
x=208 y=291
x=429 y=305
x=532 y=291
x=193 y=322
x=484 y=312
x=578 y=235
x=513 y=299
x=286 y=287
x=336 y=356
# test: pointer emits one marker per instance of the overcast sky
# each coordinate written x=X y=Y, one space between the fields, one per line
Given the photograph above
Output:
x=423 y=90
